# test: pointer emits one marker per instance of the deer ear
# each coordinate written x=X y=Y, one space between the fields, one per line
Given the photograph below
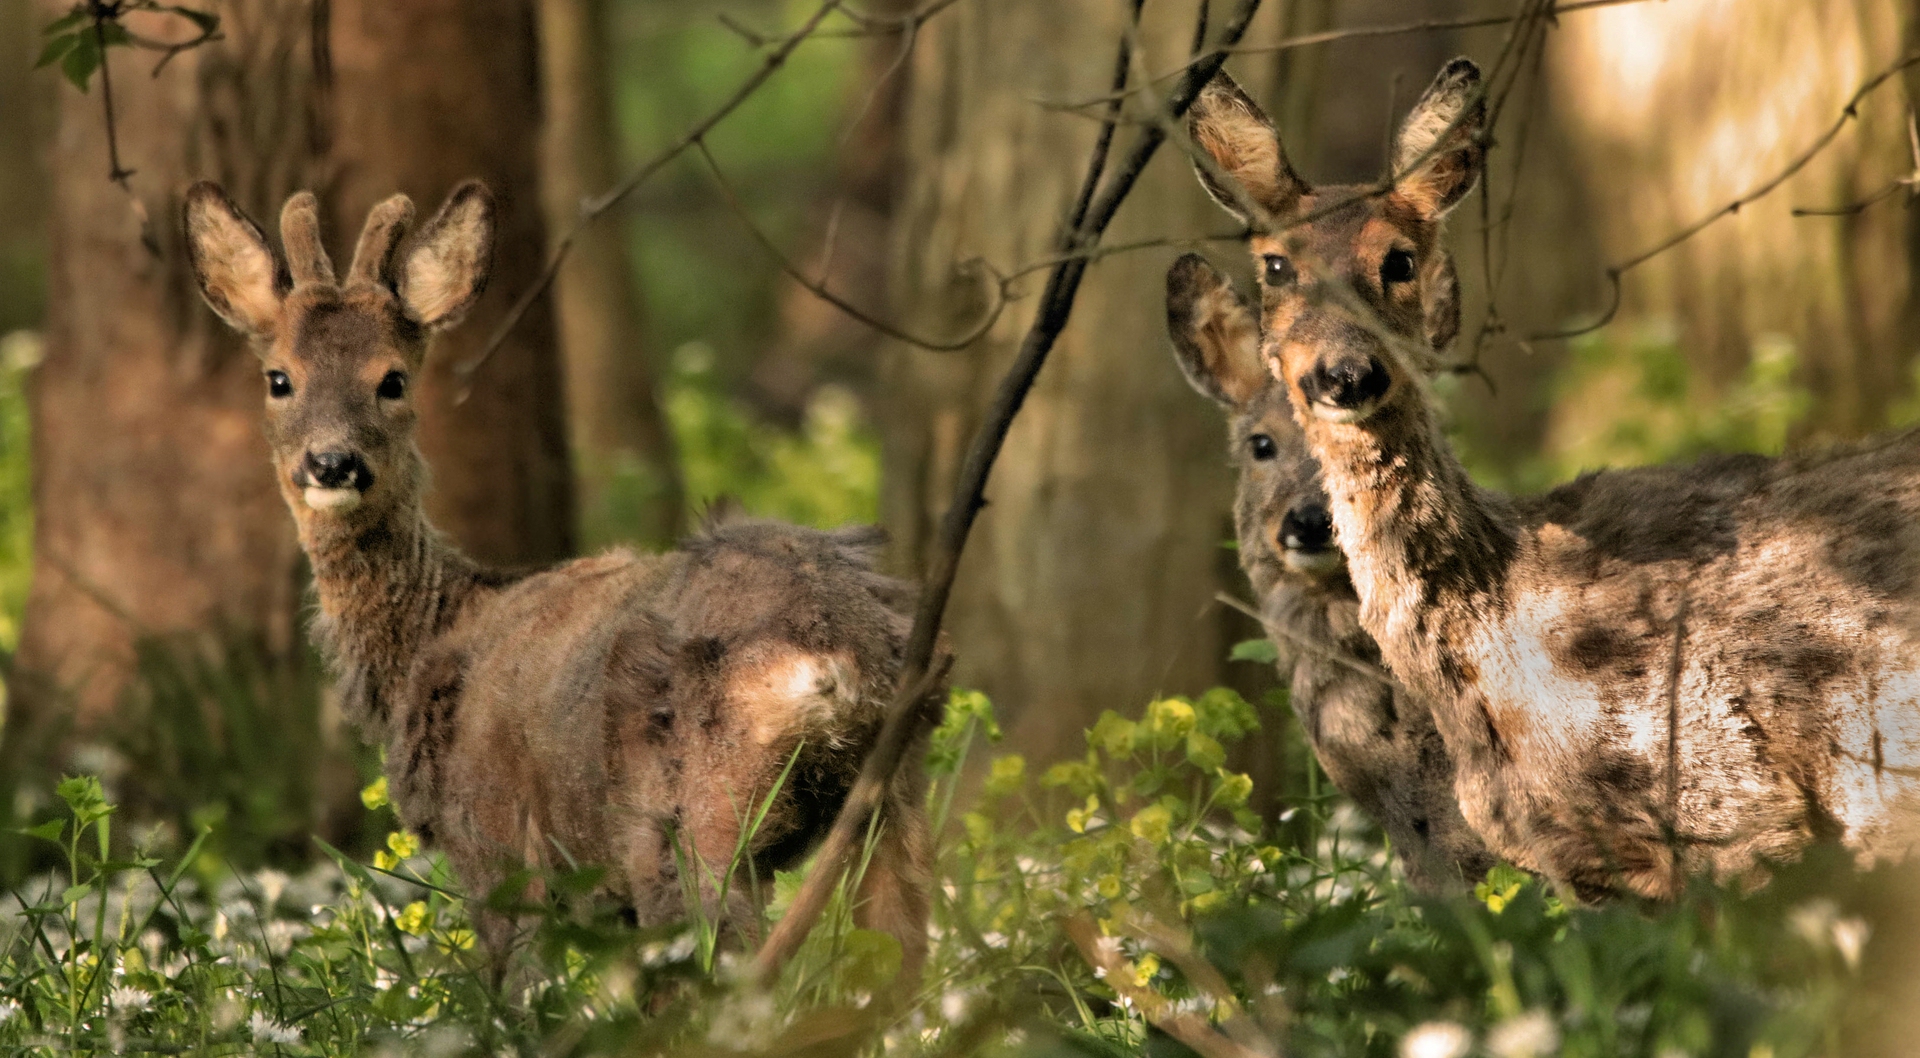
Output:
x=1216 y=335
x=447 y=267
x=1227 y=124
x=1440 y=297
x=236 y=270
x=1438 y=154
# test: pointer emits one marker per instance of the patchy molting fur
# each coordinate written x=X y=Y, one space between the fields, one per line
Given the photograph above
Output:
x=1643 y=673
x=1378 y=743
x=621 y=710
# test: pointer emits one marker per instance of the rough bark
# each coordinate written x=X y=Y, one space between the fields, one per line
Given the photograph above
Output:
x=618 y=431
x=1087 y=583
x=428 y=93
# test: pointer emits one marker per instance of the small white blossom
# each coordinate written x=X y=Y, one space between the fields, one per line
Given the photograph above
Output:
x=8 y=1008
x=1437 y=1039
x=125 y=998
x=1850 y=939
x=1531 y=1035
x=267 y=1030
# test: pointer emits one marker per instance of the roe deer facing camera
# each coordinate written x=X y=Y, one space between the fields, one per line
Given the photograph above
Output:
x=630 y=711
x=1641 y=673
x=1376 y=742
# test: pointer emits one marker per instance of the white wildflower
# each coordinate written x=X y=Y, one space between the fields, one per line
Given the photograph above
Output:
x=127 y=998
x=996 y=939
x=1437 y=1039
x=267 y=1030
x=1814 y=920
x=1850 y=939
x=272 y=883
x=1531 y=1035
x=953 y=1006
x=8 y=1008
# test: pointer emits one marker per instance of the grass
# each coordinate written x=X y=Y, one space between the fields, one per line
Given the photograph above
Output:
x=1141 y=856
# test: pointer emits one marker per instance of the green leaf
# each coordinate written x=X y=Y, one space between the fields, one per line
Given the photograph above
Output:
x=79 y=63
x=56 y=49
x=1260 y=650
x=67 y=21
x=74 y=892
x=47 y=831
x=115 y=35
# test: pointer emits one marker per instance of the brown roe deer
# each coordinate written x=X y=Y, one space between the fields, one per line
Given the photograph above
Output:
x=627 y=711
x=1640 y=674
x=1376 y=740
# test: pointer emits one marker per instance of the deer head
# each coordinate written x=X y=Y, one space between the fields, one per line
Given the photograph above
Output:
x=340 y=357
x=1357 y=293
x=1280 y=511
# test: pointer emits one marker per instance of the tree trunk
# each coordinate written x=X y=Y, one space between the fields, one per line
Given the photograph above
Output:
x=621 y=445
x=1088 y=582
x=1678 y=110
x=428 y=93
x=155 y=514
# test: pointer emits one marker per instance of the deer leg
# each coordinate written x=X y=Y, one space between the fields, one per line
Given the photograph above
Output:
x=893 y=895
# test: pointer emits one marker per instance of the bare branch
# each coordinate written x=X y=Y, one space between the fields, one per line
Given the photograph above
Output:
x=592 y=209
x=818 y=288
x=906 y=714
x=1189 y=1027
x=1614 y=272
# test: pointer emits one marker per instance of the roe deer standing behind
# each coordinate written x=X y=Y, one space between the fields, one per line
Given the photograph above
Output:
x=615 y=710
x=1377 y=742
x=1641 y=673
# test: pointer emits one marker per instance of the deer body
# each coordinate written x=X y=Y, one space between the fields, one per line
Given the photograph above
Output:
x=1375 y=740
x=635 y=712
x=1642 y=673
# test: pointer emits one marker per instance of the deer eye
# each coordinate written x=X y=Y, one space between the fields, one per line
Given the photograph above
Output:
x=279 y=385
x=1263 y=447
x=1277 y=270
x=1397 y=268
x=393 y=386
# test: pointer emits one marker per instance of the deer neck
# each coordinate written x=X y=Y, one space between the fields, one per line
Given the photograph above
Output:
x=1427 y=549
x=387 y=584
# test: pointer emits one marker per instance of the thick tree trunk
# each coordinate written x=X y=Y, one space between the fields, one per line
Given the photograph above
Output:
x=1088 y=581
x=155 y=514
x=620 y=438
x=428 y=93
x=1678 y=110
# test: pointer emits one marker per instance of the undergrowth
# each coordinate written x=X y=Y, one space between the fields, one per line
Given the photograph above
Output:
x=1140 y=859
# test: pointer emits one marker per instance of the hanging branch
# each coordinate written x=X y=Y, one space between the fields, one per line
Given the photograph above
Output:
x=907 y=712
x=1614 y=272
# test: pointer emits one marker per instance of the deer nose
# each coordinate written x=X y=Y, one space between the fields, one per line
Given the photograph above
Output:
x=338 y=470
x=1348 y=383
x=1307 y=527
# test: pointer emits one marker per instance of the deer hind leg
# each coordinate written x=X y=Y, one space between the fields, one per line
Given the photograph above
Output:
x=894 y=892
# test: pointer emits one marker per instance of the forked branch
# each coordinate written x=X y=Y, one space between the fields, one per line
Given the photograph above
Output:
x=907 y=712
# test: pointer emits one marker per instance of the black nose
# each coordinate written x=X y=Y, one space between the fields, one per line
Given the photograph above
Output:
x=1348 y=382
x=338 y=470
x=1307 y=527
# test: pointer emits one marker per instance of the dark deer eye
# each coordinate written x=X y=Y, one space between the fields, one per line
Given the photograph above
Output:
x=394 y=386
x=279 y=385
x=1263 y=447
x=1397 y=268
x=1277 y=270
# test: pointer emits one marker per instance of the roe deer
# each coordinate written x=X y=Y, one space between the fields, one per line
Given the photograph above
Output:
x=1641 y=673
x=630 y=711
x=1376 y=741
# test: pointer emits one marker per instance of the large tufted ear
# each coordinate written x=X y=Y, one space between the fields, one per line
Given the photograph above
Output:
x=234 y=266
x=1438 y=153
x=1226 y=123
x=1216 y=336
x=447 y=267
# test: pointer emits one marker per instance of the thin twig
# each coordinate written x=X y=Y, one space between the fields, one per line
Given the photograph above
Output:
x=818 y=288
x=1314 y=647
x=906 y=714
x=1189 y=1027
x=1615 y=272
x=592 y=209
x=102 y=14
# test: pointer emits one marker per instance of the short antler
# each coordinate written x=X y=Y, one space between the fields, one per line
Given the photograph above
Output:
x=379 y=240
x=300 y=234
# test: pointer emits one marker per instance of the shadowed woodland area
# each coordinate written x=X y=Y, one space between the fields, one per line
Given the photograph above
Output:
x=777 y=258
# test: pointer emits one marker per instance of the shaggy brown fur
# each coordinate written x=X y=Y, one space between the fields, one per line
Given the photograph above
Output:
x=1376 y=741
x=1639 y=674
x=632 y=711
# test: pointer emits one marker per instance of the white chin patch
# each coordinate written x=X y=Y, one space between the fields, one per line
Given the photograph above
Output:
x=1313 y=563
x=336 y=500
x=1332 y=413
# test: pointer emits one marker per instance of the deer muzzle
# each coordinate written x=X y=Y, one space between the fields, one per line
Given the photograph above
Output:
x=333 y=481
